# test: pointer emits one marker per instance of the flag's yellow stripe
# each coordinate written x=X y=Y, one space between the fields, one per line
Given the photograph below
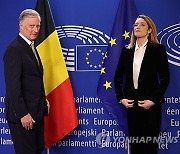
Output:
x=52 y=58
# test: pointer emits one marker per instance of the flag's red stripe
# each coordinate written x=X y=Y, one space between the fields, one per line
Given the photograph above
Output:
x=62 y=118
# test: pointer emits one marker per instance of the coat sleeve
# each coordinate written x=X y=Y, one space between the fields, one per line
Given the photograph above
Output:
x=13 y=76
x=119 y=76
x=163 y=74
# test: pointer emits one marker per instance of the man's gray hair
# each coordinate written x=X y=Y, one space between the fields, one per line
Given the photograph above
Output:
x=28 y=13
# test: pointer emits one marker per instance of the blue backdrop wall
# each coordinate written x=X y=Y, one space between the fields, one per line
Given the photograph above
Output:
x=95 y=19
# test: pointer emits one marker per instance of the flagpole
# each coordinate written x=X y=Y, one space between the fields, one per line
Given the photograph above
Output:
x=48 y=151
x=128 y=148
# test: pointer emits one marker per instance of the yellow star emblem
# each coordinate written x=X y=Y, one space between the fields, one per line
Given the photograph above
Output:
x=112 y=41
x=107 y=85
x=103 y=70
x=126 y=35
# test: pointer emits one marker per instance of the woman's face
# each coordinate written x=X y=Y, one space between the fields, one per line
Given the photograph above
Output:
x=141 y=28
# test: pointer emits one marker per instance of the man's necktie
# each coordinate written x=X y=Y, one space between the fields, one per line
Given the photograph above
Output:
x=34 y=51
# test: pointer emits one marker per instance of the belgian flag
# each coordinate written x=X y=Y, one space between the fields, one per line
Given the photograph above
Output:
x=62 y=117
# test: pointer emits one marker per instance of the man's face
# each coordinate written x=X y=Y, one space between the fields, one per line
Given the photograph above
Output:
x=30 y=27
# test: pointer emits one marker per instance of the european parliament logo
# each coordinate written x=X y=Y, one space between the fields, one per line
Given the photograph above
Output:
x=84 y=48
x=170 y=37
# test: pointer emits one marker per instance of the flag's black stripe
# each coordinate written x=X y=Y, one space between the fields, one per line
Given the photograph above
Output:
x=47 y=23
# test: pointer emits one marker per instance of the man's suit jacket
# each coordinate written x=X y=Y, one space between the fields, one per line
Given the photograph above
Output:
x=153 y=77
x=24 y=83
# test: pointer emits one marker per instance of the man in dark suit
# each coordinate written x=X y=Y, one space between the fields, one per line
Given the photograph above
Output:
x=141 y=79
x=25 y=102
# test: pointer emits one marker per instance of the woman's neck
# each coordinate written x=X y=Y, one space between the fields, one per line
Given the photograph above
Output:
x=141 y=41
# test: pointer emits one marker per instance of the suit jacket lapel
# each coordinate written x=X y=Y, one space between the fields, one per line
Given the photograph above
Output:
x=143 y=64
x=130 y=61
x=29 y=51
x=40 y=67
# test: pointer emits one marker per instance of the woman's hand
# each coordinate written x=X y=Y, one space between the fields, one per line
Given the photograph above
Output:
x=146 y=104
x=127 y=103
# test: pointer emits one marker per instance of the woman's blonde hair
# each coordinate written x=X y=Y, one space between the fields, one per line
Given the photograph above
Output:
x=152 y=38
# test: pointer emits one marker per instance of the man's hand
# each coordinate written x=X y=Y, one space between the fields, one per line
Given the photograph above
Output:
x=146 y=104
x=27 y=122
x=48 y=105
x=127 y=103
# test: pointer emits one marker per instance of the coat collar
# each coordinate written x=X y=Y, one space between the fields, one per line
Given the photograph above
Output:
x=29 y=51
